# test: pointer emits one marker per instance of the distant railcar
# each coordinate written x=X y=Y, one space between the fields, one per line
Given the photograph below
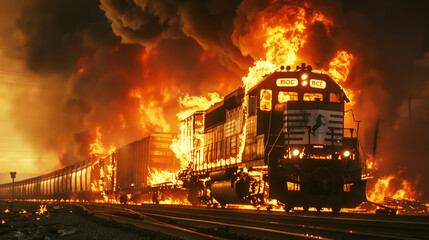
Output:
x=125 y=171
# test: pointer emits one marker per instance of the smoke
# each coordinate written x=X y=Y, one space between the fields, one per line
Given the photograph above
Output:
x=91 y=80
x=122 y=65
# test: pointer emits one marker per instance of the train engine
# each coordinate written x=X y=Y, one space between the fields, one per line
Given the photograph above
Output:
x=283 y=139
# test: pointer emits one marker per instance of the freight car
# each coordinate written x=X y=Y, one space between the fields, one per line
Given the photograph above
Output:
x=123 y=172
x=282 y=139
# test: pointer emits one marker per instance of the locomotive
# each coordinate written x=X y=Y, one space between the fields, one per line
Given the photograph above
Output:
x=282 y=139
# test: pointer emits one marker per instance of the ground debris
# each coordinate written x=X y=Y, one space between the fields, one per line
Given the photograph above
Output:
x=52 y=221
x=407 y=207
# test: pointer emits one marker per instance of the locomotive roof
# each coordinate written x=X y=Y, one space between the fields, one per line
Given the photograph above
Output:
x=270 y=80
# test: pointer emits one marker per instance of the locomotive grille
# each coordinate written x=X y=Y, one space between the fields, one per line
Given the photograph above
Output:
x=313 y=126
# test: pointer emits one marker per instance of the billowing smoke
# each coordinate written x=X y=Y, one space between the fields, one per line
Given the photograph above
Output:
x=121 y=65
x=92 y=81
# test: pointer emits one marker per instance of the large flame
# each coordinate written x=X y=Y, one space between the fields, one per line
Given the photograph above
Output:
x=339 y=70
x=156 y=176
x=97 y=147
x=151 y=112
x=394 y=187
x=181 y=146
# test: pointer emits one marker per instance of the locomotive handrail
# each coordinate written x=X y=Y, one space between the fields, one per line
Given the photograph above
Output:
x=274 y=144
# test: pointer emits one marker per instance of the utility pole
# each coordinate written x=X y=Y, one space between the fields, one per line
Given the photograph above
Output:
x=12 y=175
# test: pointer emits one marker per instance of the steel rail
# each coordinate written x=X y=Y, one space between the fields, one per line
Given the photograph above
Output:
x=232 y=229
x=381 y=226
x=148 y=223
x=277 y=225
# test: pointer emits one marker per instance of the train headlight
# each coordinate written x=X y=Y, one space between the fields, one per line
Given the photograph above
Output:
x=346 y=153
x=304 y=83
x=304 y=76
x=295 y=152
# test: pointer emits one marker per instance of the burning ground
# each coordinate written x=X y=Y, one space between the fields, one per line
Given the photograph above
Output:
x=112 y=71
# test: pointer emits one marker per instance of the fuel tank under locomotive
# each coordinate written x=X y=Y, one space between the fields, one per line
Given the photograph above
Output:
x=235 y=190
x=228 y=192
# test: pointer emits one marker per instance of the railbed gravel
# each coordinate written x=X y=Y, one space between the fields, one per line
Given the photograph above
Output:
x=62 y=221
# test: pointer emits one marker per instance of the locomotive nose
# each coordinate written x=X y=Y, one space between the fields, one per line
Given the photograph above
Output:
x=324 y=186
x=324 y=181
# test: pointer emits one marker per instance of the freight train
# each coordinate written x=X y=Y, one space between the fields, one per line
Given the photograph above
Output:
x=283 y=140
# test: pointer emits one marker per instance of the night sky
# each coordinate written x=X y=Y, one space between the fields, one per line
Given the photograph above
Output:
x=69 y=67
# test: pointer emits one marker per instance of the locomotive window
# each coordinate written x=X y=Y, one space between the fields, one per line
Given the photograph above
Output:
x=287 y=96
x=252 y=105
x=334 y=97
x=266 y=99
x=313 y=97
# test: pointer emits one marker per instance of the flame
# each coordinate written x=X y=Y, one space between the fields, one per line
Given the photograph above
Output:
x=372 y=163
x=156 y=176
x=151 y=112
x=339 y=70
x=394 y=187
x=96 y=147
x=190 y=104
x=285 y=34
x=42 y=210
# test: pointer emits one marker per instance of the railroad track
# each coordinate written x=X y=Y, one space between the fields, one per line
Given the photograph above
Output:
x=187 y=222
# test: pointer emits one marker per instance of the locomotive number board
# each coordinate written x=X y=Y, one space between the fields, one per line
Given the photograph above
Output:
x=287 y=82
x=317 y=83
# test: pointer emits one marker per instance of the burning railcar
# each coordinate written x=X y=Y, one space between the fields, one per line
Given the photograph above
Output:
x=126 y=171
x=282 y=139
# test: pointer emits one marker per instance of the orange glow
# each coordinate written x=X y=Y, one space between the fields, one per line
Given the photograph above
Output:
x=151 y=111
